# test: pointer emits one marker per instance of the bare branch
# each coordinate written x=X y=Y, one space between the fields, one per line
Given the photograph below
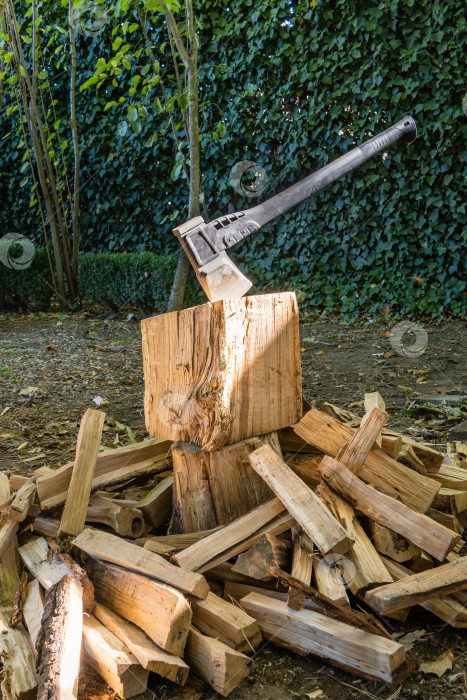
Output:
x=176 y=34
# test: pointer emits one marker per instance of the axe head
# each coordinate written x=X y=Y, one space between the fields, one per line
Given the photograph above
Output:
x=216 y=273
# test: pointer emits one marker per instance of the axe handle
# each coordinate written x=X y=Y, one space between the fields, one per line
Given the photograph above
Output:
x=265 y=212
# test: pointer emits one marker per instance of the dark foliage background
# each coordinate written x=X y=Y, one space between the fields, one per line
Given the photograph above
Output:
x=290 y=85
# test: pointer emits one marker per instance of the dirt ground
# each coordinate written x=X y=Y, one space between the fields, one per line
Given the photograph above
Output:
x=53 y=367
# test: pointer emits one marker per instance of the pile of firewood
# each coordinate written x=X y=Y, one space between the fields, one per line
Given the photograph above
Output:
x=181 y=557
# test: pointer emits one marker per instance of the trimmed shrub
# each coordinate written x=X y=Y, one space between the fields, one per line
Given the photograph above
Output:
x=140 y=279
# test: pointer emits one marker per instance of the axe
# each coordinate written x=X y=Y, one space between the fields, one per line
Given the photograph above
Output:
x=206 y=243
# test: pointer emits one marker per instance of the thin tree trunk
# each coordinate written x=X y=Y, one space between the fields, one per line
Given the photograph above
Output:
x=74 y=131
x=190 y=61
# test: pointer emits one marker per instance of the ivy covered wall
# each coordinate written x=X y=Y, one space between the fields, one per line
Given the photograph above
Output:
x=292 y=85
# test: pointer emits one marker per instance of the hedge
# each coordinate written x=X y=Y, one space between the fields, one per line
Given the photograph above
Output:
x=26 y=288
x=116 y=280
x=121 y=279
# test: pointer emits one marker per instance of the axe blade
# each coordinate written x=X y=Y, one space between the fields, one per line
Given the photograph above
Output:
x=221 y=279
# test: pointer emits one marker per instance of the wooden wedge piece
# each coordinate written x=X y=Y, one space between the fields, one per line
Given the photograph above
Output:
x=330 y=436
x=33 y=610
x=220 y=666
x=230 y=624
x=46 y=566
x=156 y=506
x=23 y=501
x=440 y=581
x=447 y=608
x=354 y=454
x=309 y=632
x=112 y=660
x=148 y=654
x=79 y=490
x=420 y=529
x=223 y=539
x=118 y=551
x=303 y=505
x=113 y=466
x=159 y=610
x=373 y=400
x=59 y=642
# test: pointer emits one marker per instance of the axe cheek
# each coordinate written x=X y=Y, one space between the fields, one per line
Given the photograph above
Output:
x=221 y=279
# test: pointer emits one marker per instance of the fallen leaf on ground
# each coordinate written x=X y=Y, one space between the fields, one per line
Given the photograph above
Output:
x=315 y=694
x=441 y=664
x=28 y=391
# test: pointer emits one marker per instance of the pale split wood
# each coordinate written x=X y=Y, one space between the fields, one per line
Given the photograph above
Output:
x=161 y=611
x=45 y=565
x=9 y=561
x=222 y=539
x=33 y=609
x=148 y=654
x=205 y=364
x=418 y=528
x=447 y=608
x=302 y=556
x=79 y=490
x=392 y=442
x=309 y=632
x=301 y=502
x=391 y=544
x=112 y=660
x=112 y=466
x=362 y=568
x=330 y=435
x=329 y=581
x=7 y=535
x=217 y=664
x=118 y=551
x=59 y=641
x=439 y=581
x=193 y=509
x=230 y=624
x=156 y=506
x=19 y=676
x=354 y=454
x=373 y=400
x=23 y=501
x=235 y=486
